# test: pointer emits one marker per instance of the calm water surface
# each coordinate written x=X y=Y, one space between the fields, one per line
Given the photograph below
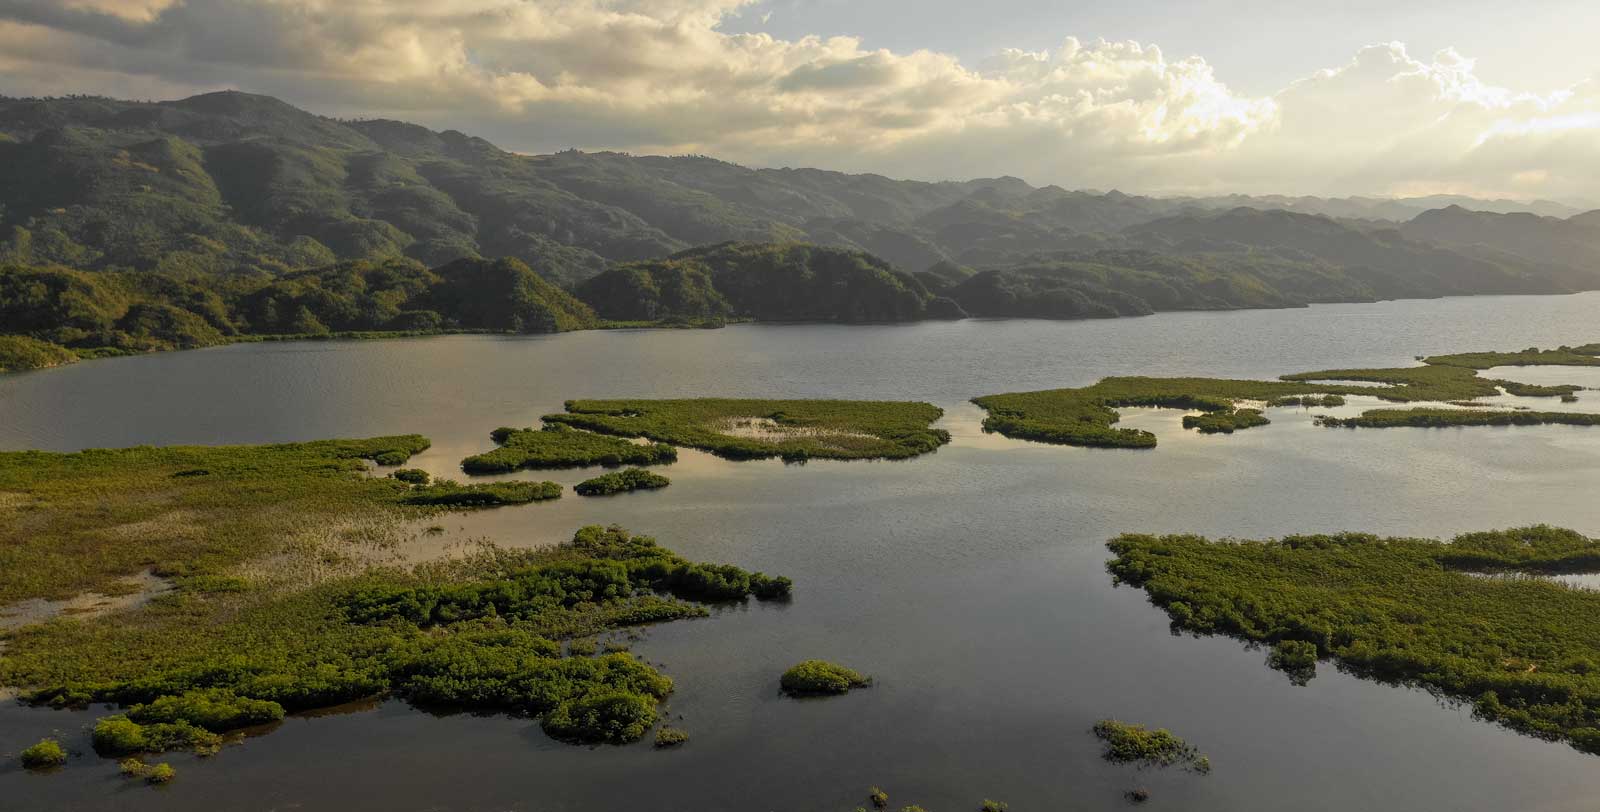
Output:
x=970 y=582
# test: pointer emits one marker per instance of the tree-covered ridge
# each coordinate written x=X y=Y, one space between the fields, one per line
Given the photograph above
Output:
x=763 y=282
x=756 y=429
x=1523 y=651
x=231 y=183
x=114 y=312
x=1087 y=416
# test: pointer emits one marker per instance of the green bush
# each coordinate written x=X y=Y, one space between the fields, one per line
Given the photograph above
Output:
x=812 y=677
x=161 y=773
x=1136 y=744
x=633 y=479
x=412 y=476
x=670 y=737
x=614 y=717
x=215 y=709
x=118 y=735
x=47 y=753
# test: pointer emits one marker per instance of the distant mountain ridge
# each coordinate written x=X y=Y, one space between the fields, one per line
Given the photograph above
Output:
x=233 y=183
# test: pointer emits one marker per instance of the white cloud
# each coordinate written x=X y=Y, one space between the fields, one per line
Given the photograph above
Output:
x=659 y=75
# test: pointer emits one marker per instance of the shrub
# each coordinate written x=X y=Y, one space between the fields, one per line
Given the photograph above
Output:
x=1297 y=658
x=993 y=806
x=633 y=479
x=878 y=797
x=412 y=476
x=670 y=737
x=614 y=717
x=812 y=677
x=1127 y=743
x=47 y=753
x=768 y=587
x=161 y=773
x=216 y=709
x=118 y=735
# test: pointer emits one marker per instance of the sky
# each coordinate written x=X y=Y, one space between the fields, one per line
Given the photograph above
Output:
x=1492 y=99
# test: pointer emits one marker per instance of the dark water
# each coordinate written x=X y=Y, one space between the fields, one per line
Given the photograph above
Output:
x=970 y=582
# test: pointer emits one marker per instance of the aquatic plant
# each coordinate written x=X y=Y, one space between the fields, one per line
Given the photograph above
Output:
x=1136 y=744
x=46 y=753
x=1520 y=651
x=815 y=677
x=670 y=737
x=878 y=797
x=757 y=429
x=633 y=479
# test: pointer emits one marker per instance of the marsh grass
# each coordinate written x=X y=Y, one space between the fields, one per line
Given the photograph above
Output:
x=757 y=429
x=560 y=446
x=86 y=520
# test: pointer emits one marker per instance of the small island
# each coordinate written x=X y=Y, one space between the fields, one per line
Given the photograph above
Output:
x=821 y=678
x=560 y=446
x=1520 y=651
x=633 y=479
x=1136 y=744
x=1087 y=416
x=757 y=429
x=270 y=606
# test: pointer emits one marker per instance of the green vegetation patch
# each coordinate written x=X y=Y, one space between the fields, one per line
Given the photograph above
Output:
x=448 y=493
x=560 y=446
x=47 y=753
x=479 y=633
x=1523 y=651
x=671 y=737
x=1441 y=418
x=18 y=353
x=755 y=429
x=1087 y=416
x=79 y=522
x=1137 y=744
x=1586 y=355
x=819 y=677
x=633 y=479
x=1226 y=422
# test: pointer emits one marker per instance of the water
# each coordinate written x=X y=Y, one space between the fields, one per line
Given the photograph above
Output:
x=970 y=582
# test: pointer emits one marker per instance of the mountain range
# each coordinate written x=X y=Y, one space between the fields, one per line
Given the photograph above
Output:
x=257 y=217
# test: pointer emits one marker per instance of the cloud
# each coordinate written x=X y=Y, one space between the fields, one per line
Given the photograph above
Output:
x=660 y=76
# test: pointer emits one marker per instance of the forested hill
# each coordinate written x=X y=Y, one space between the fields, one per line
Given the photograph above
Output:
x=232 y=183
x=131 y=226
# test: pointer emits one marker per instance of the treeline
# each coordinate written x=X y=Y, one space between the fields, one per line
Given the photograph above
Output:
x=115 y=312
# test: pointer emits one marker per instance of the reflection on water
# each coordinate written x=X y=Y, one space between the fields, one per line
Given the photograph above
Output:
x=969 y=582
